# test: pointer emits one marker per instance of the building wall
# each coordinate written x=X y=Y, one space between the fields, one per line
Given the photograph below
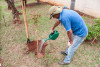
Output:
x=90 y=7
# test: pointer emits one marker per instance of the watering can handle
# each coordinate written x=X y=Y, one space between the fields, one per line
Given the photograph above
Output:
x=52 y=32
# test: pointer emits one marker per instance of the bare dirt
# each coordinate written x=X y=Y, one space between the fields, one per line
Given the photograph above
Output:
x=1 y=62
x=32 y=46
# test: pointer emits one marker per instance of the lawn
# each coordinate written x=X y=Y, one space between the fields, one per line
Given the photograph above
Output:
x=13 y=41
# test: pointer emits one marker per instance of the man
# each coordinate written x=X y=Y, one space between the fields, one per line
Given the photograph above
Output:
x=75 y=27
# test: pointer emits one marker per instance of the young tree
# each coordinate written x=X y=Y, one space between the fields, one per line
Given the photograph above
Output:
x=15 y=12
x=36 y=17
x=72 y=6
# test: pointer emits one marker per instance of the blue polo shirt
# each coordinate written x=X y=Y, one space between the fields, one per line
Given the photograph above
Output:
x=71 y=20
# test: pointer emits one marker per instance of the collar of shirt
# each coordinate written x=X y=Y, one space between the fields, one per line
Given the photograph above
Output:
x=60 y=18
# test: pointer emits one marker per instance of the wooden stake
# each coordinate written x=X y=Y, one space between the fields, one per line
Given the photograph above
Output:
x=25 y=18
x=94 y=39
x=37 y=38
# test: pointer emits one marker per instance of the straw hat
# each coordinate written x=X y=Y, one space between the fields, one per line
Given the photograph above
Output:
x=55 y=10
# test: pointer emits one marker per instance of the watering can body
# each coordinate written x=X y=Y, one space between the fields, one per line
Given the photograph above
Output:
x=54 y=35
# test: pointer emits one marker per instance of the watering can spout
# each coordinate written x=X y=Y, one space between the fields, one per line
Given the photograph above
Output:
x=52 y=36
x=46 y=39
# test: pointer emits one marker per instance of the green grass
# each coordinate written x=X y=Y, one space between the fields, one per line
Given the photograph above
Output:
x=18 y=3
x=14 y=41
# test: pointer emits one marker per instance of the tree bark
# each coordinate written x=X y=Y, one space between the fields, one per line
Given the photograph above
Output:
x=38 y=1
x=9 y=6
x=15 y=12
x=72 y=6
x=25 y=2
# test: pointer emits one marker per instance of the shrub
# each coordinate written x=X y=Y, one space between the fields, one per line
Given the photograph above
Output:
x=94 y=31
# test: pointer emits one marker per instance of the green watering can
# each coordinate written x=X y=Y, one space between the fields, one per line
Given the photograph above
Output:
x=52 y=36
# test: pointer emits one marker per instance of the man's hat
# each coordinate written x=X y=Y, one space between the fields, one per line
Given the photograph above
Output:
x=55 y=10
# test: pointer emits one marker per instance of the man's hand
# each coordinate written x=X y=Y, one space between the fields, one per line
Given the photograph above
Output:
x=52 y=29
x=55 y=25
x=70 y=36
x=70 y=43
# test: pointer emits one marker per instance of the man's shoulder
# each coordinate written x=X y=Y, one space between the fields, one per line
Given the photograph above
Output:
x=66 y=13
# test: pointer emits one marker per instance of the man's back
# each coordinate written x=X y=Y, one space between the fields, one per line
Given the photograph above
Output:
x=72 y=20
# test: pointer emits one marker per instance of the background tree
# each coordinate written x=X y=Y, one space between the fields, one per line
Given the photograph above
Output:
x=38 y=1
x=72 y=6
x=15 y=12
x=25 y=2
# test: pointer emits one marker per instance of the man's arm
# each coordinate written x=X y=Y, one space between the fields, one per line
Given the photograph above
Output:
x=70 y=36
x=56 y=24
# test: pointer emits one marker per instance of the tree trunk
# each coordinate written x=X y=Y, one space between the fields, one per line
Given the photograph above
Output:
x=15 y=12
x=38 y=1
x=72 y=6
x=9 y=6
x=25 y=2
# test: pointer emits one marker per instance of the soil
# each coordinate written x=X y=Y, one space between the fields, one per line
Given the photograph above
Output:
x=32 y=47
x=18 y=21
x=90 y=41
x=1 y=62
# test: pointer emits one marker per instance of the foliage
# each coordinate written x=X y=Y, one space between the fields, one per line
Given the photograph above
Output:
x=94 y=30
x=36 y=18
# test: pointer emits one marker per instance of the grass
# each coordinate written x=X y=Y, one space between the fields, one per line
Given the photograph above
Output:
x=14 y=39
x=18 y=3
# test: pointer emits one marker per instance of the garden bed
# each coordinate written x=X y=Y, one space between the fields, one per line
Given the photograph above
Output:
x=14 y=41
x=32 y=47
